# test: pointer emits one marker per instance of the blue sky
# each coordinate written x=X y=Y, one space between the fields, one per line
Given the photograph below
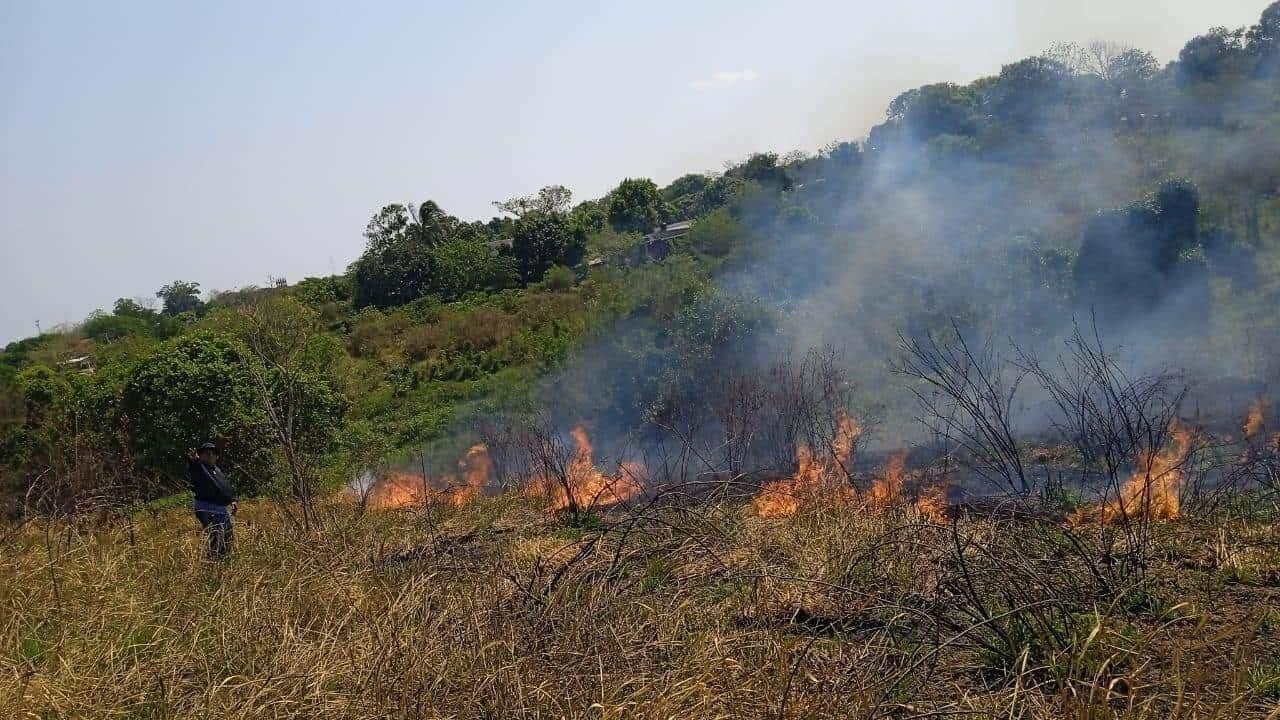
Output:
x=143 y=142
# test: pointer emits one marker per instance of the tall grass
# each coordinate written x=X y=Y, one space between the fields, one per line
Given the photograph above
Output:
x=497 y=611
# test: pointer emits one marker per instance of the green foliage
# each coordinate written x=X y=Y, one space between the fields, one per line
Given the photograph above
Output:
x=180 y=297
x=933 y=110
x=110 y=328
x=559 y=278
x=545 y=239
x=717 y=233
x=194 y=388
x=318 y=291
x=635 y=206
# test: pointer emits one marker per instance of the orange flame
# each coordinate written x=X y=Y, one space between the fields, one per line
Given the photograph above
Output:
x=1154 y=489
x=932 y=503
x=1253 y=423
x=886 y=490
x=588 y=487
x=813 y=482
x=397 y=489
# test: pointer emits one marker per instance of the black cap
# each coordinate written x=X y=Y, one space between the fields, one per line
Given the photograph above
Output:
x=209 y=446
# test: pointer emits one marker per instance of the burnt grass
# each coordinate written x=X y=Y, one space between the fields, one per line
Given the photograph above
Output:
x=686 y=607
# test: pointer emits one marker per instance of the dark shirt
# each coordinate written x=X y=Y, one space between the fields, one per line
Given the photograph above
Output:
x=209 y=484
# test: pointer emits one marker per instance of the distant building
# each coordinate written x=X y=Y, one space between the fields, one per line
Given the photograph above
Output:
x=657 y=245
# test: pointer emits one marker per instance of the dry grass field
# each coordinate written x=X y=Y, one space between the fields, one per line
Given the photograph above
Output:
x=676 y=609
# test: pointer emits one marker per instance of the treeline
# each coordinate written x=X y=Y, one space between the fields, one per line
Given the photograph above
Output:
x=1086 y=179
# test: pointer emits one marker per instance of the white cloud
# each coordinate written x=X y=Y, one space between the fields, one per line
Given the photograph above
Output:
x=725 y=78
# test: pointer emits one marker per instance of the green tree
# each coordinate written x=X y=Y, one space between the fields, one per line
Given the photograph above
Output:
x=763 y=168
x=635 y=206
x=104 y=328
x=550 y=199
x=290 y=366
x=932 y=110
x=542 y=240
x=1205 y=57
x=180 y=296
x=398 y=262
x=467 y=265
x=194 y=388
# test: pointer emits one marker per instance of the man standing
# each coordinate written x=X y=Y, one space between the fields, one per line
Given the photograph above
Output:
x=215 y=501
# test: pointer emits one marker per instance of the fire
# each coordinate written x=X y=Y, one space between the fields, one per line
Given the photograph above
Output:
x=886 y=490
x=1154 y=489
x=397 y=489
x=1253 y=423
x=588 y=485
x=813 y=481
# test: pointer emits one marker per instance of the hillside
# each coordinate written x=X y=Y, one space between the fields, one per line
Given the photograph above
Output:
x=972 y=416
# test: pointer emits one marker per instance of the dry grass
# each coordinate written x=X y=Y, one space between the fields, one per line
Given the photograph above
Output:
x=498 y=610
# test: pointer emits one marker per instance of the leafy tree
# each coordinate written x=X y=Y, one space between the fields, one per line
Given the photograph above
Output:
x=1129 y=257
x=1028 y=91
x=317 y=291
x=559 y=278
x=462 y=266
x=397 y=263
x=194 y=388
x=550 y=199
x=932 y=110
x=128 y=307
x=542 y=240
x=763 y=168
x=717 y=233
x=719 y=192
x=179 y=297
x=1264 y=40
x=1205 y=57
x=289 y=365
x=690 y=184
x=104 y=328
x=635 y=206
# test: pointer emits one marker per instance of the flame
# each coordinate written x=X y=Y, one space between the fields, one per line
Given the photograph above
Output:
x=812 y=481
x=932 y=503
x=886 y=490
x=1153 y=490
x=396 y=489
x=589 y=486
x=1253 y=423
x=889 y=491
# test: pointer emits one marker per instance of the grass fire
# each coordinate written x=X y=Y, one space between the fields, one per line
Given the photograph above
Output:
x=972 y=412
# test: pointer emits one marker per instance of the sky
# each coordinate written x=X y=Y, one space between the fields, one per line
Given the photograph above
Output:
x=228 y=143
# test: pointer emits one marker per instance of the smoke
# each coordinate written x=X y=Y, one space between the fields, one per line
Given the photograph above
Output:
x=976 y=232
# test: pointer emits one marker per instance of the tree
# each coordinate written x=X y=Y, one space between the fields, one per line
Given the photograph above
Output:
x=104 y=328
x=1205 y=57
x=466 y=265
x=129 y=307
x=635 y=206
x=1264 y=40
x=179 y=297
x=763 y=168
x=1028 y=91
x=550 y=199
x=397 y=263
x=932 y=110
x=289 y=364
x=194 y=388
x=542 y=240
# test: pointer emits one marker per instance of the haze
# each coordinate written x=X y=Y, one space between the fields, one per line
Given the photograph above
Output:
x=148 y=142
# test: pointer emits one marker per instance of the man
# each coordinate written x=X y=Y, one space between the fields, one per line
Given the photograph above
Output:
x=215 y=501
